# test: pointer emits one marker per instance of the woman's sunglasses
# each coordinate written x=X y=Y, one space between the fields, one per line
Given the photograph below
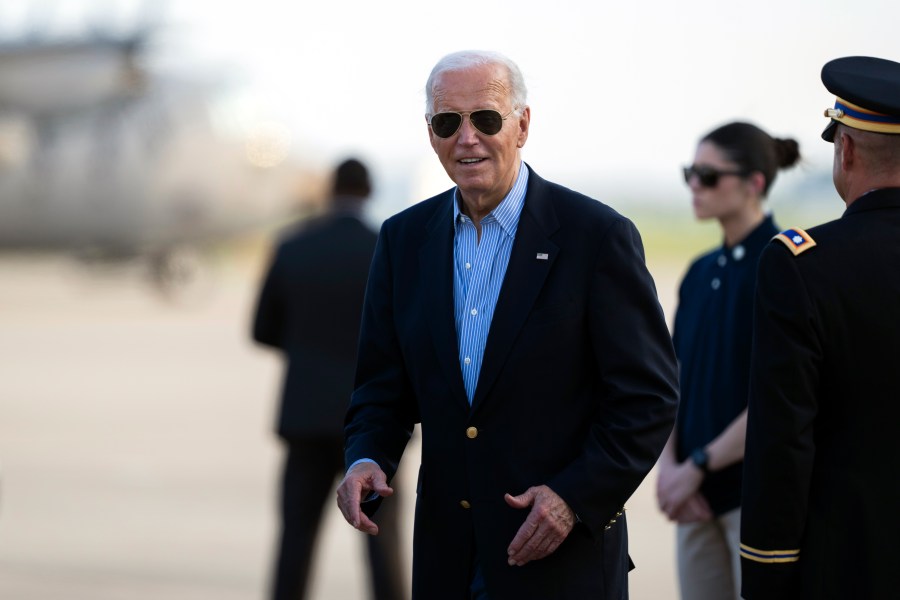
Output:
x=488 y=122
x=707 y=176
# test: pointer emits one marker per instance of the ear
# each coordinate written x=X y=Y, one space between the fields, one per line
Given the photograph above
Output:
x=848 y=151
x=758 y=182
x=524 y=122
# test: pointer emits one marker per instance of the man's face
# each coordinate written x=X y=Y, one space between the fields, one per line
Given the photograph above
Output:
x=483 y=166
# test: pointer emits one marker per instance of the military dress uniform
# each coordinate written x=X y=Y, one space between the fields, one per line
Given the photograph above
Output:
x=820 y=497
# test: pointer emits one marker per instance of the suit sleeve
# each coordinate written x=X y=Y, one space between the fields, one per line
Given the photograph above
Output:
x=382 y=411
x=785 y=365
x=268 y=321
x=636 y=388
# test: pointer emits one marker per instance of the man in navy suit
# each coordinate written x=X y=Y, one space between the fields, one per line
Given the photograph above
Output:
x=515 y=320
x=309 y=308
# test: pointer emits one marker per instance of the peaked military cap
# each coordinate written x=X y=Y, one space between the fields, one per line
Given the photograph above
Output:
x=868 y=94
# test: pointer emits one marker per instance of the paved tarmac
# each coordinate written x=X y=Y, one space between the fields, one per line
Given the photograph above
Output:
x=136 y=454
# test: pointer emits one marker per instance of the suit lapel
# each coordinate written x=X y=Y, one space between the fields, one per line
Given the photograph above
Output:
x=531 y=259
x=436 y=267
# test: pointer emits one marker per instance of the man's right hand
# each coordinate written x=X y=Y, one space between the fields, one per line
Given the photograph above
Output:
x=358 y=484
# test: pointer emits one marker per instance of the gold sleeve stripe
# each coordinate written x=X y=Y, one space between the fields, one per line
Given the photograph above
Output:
x=769 y=556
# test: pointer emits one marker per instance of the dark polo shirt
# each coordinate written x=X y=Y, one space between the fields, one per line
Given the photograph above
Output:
x=712 y=335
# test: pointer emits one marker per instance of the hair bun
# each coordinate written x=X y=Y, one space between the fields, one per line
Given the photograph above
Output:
x=787 y=152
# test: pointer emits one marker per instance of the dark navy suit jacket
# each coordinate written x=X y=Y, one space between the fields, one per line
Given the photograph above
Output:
x=577 y=391
x=309 y=307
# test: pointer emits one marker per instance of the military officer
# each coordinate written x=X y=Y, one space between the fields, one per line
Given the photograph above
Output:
x=820 y=496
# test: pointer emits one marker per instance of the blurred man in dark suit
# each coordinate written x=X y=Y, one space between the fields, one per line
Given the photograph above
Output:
x=309 y=308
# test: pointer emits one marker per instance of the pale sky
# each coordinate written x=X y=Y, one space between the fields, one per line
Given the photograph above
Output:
x=619 y=92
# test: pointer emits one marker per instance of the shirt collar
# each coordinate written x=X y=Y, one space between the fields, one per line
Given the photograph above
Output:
x=507 y=212
x=753 y=242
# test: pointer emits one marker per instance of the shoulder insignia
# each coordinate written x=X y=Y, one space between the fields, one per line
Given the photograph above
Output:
x=796 y=240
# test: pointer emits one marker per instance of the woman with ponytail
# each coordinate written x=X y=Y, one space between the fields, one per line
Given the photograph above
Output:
x=699 y=485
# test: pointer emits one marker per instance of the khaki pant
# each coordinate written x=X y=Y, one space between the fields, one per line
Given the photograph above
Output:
x=709 y=560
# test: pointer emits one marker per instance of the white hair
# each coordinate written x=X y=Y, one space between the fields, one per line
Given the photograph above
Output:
x=465 y=59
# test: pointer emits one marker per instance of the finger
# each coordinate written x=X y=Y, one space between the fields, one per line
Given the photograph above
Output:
x=701 y=509
x=674 y=503
x=373 y=480
x=547 y=525
x=693 y=510
x=380 y=487
x=663 y=496
x=370 y=478
x=522 y=501
x=685 y=515
x=537 y=534
x=522 y=536
x=668 y=508
x=366 y=525
x=539 y=545
x=544 y=541
x=548 y=548
x=348 y=498
x=351 y=492
x=347 y=511
x=554 y=518
x=349 y=503
x=700 y=499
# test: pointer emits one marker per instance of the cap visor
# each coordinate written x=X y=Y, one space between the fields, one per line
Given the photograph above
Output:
x=828 y=133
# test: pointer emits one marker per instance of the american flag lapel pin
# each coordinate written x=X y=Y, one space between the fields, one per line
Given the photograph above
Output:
x=543 y=256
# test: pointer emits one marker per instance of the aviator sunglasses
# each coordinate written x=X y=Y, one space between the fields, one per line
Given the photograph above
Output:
x=487 y=121
x=708 y=176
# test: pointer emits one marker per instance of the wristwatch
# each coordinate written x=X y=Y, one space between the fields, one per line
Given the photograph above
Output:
x=700 y=458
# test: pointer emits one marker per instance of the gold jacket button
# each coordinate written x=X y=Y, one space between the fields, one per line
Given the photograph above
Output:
x=472 y=433
x=465 y=504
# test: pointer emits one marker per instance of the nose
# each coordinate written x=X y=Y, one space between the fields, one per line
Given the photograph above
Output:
x=467 y=132
x=693 y=182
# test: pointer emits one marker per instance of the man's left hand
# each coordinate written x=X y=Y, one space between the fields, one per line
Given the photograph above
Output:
x=545 y=528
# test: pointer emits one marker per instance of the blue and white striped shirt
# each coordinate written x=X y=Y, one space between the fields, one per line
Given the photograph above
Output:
x=478 y=270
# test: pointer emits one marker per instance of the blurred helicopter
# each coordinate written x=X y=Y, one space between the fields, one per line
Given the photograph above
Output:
x=105 y=158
